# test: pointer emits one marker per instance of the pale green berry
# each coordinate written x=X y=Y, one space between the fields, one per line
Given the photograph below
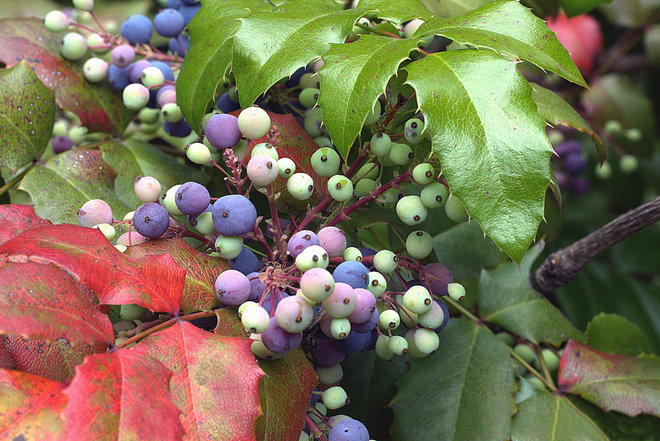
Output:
x=426 y=340
x=423 y=173
x=411 y=211
x=152 y=77
x=334 y=397
x=329 y=375
x=260 y=350
x=168 y=201
x=308 y=97
x=243 y=306
x=135 y=96
x=198 y=153
x=340 y=328
x=300 y=186
x=340 y=188
x=382 y=348
x=255 y=319
x=78 y=134
x=352 y=253
x=61 y=127
x=368 y=170
x=148 y=115
x=312 y=257
x=373 y=115
x=265 y=148
x=390 y=196
x=550 y=358
x=377 y=284
x=506 y=338
x=204 y=223
x=312 y=126
x=286 y=167
x=408 y=318
x=386 y=261
x=419 y=244
x=455 y=209
x=132 y=312
x=308 y=80
x=628 y=164
x=56 y=21
x=633 y=134
x=363 y=187
x=229 y=247
x=297 y=322
x=434 y=195
x=323 y=141
x=95 y=70
x=389 y=320
x=417 y=299
x=413 y=129
x=413 y=350
x=380 y=144
x=325 y=162
x=97 y=42
x=83 y=5
x=107 y=230
x=525 y=352
x=401 y=154
x=613 y=127
x=433 y=317
x=121 y=248
x=456 y=291
x=171 y=113
x=254 y=122
x=556 y=137
x=604 y=170
x=73 y=46
x=398 y=345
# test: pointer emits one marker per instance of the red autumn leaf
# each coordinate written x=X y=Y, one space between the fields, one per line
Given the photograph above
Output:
x=42 y=301
x=5 y=358
x=55 y=360
x=15 y=219
x=581 y=36
x=155 y=282
x=215 y=382
x=121 y=395
x=201 y=270
x=98 y=106
x=30 y=407
x=613 y=382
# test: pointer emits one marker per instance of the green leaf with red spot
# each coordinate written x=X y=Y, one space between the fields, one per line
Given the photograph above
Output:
x=201 y=270
x=98 y=106
x=42 y=301
x=15 y=219
x=612 y=382
x=155 y=282
x=26 y=116
x=30 y=407
x=54 y=360
x=61 y=185
x=121 y=395
x=215 y=381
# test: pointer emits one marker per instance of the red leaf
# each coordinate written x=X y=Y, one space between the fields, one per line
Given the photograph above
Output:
x=121 y=395
x=613 y=382
x=155 y=282
x=215 y=382
x=15 y=219
x=42 y=301
x=54 y=360
x=201 y=270
x=30 y=407
x=98 y=106
x=5 y=358
x=581 y=36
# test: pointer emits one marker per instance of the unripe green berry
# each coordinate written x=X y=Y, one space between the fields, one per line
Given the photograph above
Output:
x=380 y=144
x=382 y=347
x=373 y=115
x=398 y=345
x=352 y=253
x=83 y=5
x=633 y=134
x=329 y=375
x=229 y=247
x=171 y=113
x=456 y=291
x=286 y=167
x=417 y=299
x=95 y=70
x=419 y=244
x=506 y=338
x=432 y=318
x=334 y=398
x=152 y=77
x=198 y=153
x=61 y=127
x=411 y=211
x=204 y=223
x=309 y=96
x=628 y=164
x=255 y=319
x=325 y=162
x=434 y=195
x=300 y=186
x=413 y=129
x=423 y=173
x=340 y=328
x=604 y=170
x=613 y=127
x=525 y=352
x=309 y=80
x=265 y=148
x=426 y=340
x=168 y=201
x=254 y=122
x=107 y=230
x=340 y=188
x=324 y=141
x=389 y=320
x=455 y=209
x=135 y=96
x=369 y=170
x=73 y=46
x=56 y=21
x=377 y=284
x=401 y=154
x=132 y=312
x=363 y=187
x=385 y=261
x=148 y=115
x=78 y=134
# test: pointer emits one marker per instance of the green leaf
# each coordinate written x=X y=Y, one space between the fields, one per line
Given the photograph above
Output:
x=612 y=382
x=460 y=392
x=138 y=158
x=270 y=46
x=509 y=28
x=542 y=8
x=369 y=382
x=451 y=8
x=552 y=418
x=614 y=334
x=397 y=12
x=466 y=250
x=618 y=426
x=577 y=7
x=507 y=299
x=489 y=138
x=556 y=111
x=209 y=57
x=26 y=116
x=352 y=78
x=61 y=185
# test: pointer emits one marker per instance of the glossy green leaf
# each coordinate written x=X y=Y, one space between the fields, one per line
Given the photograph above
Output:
x=61 y=185
x=352 y=78
x=552 y=418
x=612 y=382
x=556 y=111
x=507 y=299
x=614 y=334
x=490 y=140
x=577 y=7
x=138 y=158
x=209 y=57
x=460 y=392
x=270 y=46
x=509 y=28
x=26 y=116
x=398 y=11
x=451 y=8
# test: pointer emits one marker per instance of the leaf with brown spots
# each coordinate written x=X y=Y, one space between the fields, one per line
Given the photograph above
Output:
x=15 y=219
x=55 y=360
x=98 y=106
x=155 y=282
x=228 y=324
x=284 y=411
x=30 y=407
x=201 y=270
x=42 y=301
x=26 y=116
x=121 y=395
x=215 y=382
x=612 y=382
x=61 y=185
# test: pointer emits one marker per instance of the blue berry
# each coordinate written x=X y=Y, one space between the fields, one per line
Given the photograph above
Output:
x=301 y=240
x=179 y=129
x=169 y=22
x=234 y=215
x=352 y=273
x=222 y=131
x=246 y=262
x=192 y=198
x=188 y=11
x=151 y=220
x=349 y=430
x=119 y=77
x=181 y=47
x=278 y=340
x=137 y=29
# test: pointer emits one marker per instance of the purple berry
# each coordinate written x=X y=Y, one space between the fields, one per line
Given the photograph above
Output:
x=246 y=262
x=301 y=240
x=445 y=310
x=179 y=129
x=232 y=288
x=368 y=325
x=169 y=22
x=151 y=220
x=165 y=68
x=179 y=47
x=579 y=186
x=573 y=163
x=234 y=215
x=568 y=147
x=366 y=305
x=136 y=69
x=360 y=341
x=192 y=198
x=137 y=29
x=278 y=340
x=122 y=55
x=188 y=11
x=226 y=104
x=333 y=240
x=222 y=131
x=257 y=287
x=352 y=273
x=61 y=144
x=440 y=277
x=349 y=430
x=119 y=77
x=166 y=95
x=328 y=352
